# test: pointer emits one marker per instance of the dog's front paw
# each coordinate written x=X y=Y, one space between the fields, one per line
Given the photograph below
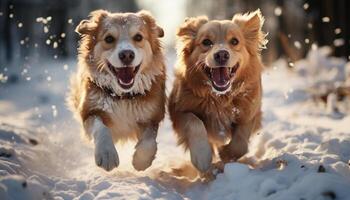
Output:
x=201 y=154
x=106 y=156
x=144 y=154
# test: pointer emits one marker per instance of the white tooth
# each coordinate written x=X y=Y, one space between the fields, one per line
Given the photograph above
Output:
x=131 y=81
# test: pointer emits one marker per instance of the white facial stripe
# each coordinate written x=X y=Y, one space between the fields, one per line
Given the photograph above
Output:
x=125 y=45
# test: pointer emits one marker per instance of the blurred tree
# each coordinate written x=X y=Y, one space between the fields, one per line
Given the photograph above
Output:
x=330 y=20
x=23 y=35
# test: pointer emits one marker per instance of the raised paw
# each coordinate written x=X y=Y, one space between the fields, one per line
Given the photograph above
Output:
x=201 y=154
x=144 y=154
x=106 y=156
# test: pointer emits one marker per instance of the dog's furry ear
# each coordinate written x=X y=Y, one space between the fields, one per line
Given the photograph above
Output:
x=251 y=24
x=150 y=21
x=187 y=32
x=191 y=26
x=89 y=26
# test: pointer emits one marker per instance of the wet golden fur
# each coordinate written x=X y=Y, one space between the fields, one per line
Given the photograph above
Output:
x=199 y=115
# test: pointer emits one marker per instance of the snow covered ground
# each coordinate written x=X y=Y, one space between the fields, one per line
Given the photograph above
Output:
x=302 y=152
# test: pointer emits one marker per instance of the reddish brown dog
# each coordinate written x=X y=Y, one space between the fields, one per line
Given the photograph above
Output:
x=215 y=103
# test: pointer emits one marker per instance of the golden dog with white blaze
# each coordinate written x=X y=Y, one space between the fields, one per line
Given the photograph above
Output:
x=118 y=92
x=215 y=103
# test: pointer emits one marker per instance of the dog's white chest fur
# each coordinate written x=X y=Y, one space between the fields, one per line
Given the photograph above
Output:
x=125 y=116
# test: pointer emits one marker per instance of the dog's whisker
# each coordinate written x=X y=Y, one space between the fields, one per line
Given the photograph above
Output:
x=100 y=65
x=197 y=66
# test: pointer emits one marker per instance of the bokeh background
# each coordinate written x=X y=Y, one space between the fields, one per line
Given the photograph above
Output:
x=33 y=29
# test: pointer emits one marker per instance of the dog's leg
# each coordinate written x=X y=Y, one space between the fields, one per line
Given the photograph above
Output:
x=238 y=146
x=195 y=136
x=106 y=155
x=146 y=147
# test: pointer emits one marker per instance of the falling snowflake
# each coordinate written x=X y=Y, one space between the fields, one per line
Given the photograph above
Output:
x=46 y=29
x=48 y=42
x=309 y=25
x=337 y=31
x=24 y=71
x=63 y=35
x=65 y=67
x=307 y=41
x=48 y=78
x=306 y=6
x=20 y=25
x=326 y=19
x=339 y=42
x=55 y=45
x=11 y=15
x=278 y=11
x=41 y=20
x=297 y=44
x=54 y=111
x=70 y=21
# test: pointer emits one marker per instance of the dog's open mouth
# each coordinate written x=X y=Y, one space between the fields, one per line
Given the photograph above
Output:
x=124 y=75
x=221 y=77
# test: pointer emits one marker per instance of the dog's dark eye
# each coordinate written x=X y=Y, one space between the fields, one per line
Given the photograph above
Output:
x=109 y=39
x=207 y=42
x=138 y=37
x=234 y=41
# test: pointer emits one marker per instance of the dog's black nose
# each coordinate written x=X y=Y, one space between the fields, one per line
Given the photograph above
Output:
x=221 y=57
x=126 y=56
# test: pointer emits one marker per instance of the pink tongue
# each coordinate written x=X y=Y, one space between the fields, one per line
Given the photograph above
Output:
x=220 y=75
x=125 y=74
